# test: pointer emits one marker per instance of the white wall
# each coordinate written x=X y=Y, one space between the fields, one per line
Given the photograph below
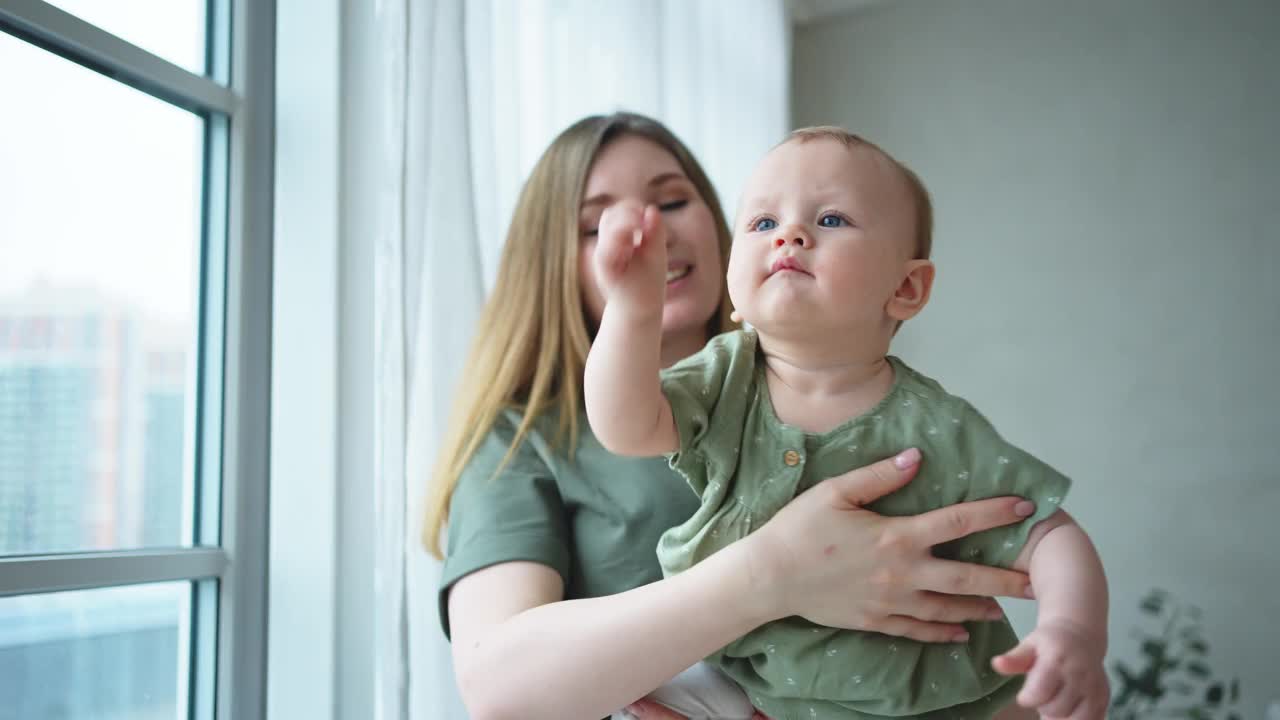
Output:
x=1106 y=178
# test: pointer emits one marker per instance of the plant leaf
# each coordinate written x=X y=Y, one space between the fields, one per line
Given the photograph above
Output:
x=1198 y=669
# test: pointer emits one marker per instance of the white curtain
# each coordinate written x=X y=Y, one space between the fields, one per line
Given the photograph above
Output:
x=717 y=72
x=470 y=94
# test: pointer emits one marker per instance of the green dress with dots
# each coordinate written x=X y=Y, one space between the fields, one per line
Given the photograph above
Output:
x=745 y=464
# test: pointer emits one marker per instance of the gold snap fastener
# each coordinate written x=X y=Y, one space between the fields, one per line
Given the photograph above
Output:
x=791 y=457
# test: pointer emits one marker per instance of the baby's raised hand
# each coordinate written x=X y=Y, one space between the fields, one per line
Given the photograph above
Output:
x=1065 y=674
x=631 y=255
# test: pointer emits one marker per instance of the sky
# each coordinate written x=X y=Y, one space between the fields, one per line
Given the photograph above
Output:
x=100 y=183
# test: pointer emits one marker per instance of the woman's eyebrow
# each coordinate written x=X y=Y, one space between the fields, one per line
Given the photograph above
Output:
x=665 y=177
x=601 y=199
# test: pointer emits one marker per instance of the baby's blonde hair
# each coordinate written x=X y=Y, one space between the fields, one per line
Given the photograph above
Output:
x=915 y=186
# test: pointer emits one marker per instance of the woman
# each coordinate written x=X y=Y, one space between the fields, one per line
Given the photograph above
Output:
x=551 y=591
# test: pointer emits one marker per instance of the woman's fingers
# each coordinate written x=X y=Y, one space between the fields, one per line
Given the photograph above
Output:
x=956 y=521
x=908 y=627
x=953 y=577
x=940 y=608
x=868 y=484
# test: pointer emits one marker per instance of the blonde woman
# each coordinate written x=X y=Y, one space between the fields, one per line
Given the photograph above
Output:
x=551 y=591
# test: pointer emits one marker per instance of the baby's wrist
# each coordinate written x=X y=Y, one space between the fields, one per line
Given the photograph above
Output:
x=1089 y=634
x=627 y=308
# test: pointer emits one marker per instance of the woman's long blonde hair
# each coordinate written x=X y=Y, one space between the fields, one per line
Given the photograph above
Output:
x=532 y=338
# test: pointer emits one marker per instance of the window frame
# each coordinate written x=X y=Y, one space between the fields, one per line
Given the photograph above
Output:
x=229 y=424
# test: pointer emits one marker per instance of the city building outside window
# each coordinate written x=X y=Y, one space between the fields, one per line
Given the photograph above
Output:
x=135 y=246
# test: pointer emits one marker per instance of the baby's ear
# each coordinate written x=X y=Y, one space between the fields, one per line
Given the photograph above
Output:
x=913 y=292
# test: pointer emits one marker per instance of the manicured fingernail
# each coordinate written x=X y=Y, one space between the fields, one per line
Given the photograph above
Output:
x=1024 y=508
x=960 y=637
x=906 y=459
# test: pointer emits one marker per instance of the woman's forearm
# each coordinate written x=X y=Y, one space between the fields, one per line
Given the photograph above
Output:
x=588 y=658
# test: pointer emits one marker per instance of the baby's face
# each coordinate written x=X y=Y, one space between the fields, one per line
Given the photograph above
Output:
x=821 y=240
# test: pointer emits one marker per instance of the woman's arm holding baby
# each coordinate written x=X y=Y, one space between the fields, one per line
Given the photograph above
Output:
x=625 y=405
x=1063 y=657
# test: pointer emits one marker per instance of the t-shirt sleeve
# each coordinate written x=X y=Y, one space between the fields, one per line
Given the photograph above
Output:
x=516 y=514
x=694 y=387
x=994 y=467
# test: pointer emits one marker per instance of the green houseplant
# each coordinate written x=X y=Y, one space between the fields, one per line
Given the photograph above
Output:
x=1172 y=677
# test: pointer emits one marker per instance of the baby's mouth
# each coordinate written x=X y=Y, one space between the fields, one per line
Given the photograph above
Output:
x=678 y=272
x=788 y=263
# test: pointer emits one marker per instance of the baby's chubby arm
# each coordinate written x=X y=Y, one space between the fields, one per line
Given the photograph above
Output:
x=625 y=405
x=1063 y=657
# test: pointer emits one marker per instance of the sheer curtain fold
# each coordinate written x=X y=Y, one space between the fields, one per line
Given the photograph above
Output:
x=470 y=94
x=427 y=261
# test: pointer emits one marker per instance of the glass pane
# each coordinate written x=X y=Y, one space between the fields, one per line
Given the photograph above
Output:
x=111 y=654
x=172 y=29
x=99 y=231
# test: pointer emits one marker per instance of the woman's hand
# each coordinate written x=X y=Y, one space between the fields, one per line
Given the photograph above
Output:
x=650 y=710
x=828 y=559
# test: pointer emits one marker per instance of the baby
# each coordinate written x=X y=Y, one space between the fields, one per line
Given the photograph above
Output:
x=830 y=256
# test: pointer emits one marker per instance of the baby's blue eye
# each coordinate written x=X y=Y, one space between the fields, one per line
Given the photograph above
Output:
x=765 y=225
x=831 y=221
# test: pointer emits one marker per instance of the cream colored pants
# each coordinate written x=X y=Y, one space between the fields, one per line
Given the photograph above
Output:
x=701 y=693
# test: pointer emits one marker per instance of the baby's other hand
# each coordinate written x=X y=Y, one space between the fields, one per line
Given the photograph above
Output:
x=1063 y=663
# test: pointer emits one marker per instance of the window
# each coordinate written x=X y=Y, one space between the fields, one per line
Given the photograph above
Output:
x=135 y=247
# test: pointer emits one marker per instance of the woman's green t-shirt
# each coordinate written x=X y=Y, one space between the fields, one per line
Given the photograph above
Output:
x=594 y=519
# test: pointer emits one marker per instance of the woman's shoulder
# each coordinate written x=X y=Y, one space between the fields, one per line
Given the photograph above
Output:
x=497 y=449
